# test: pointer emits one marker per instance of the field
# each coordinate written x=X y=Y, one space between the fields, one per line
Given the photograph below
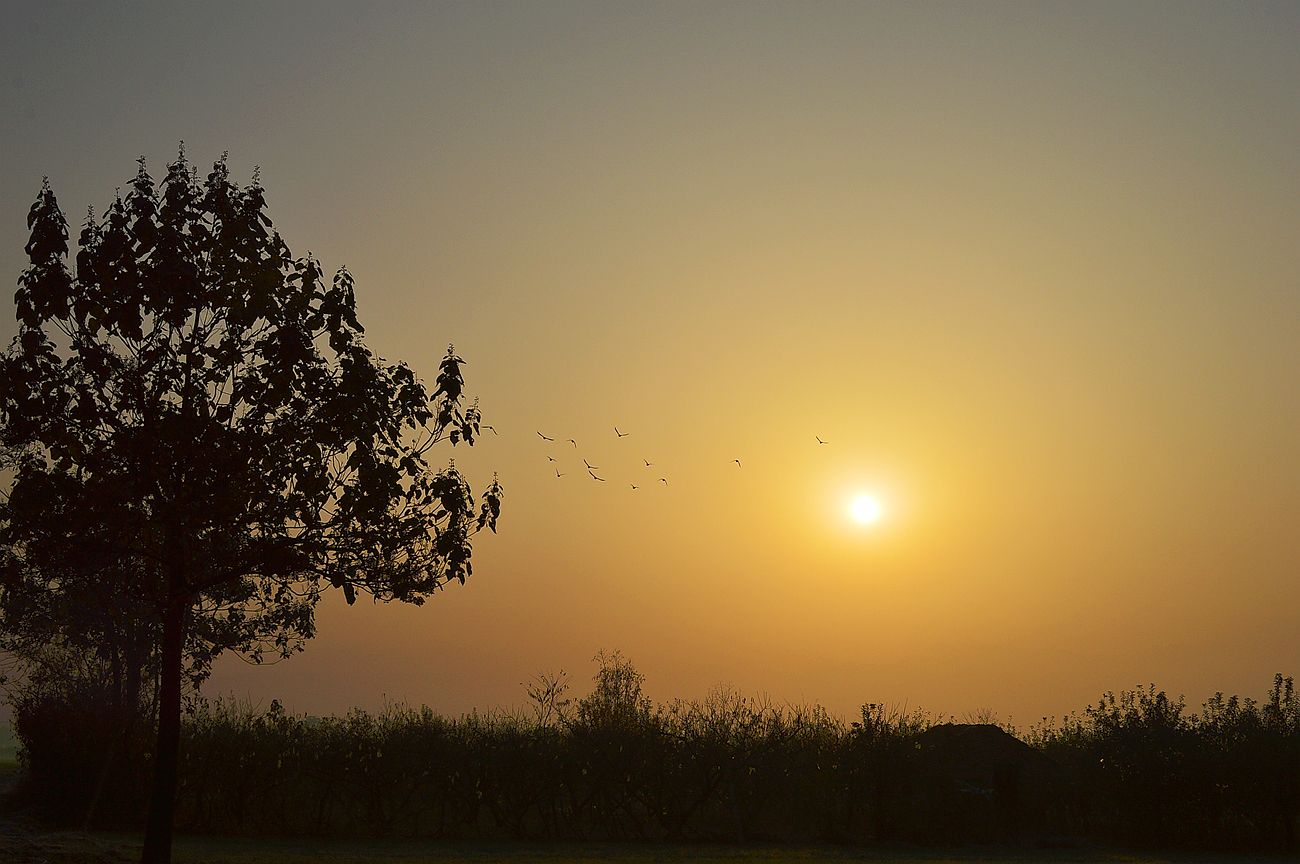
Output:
x=21 y=846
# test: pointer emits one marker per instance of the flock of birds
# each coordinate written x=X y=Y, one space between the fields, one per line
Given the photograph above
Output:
x=592 y=469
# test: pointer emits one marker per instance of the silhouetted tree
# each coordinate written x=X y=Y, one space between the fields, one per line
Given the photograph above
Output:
x=201 y=442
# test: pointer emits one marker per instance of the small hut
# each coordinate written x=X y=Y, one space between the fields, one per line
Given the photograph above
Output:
x=975 y=782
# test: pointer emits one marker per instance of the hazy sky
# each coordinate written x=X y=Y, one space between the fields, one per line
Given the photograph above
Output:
x=1030 y=269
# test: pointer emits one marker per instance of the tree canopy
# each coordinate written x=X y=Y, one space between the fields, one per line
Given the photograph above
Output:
x=201 y=442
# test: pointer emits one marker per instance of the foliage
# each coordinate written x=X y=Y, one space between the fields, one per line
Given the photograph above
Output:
x=610 y=765
x=1137 y=769
x=81 y=745
x=213 y=407
x=1143 y=770
x=727 y=767
x=200 y=442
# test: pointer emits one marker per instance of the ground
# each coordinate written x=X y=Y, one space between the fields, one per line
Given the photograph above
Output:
x=21 y=843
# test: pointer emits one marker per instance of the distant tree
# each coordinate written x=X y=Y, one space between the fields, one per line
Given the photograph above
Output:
x=200 y=443
x=72 y=629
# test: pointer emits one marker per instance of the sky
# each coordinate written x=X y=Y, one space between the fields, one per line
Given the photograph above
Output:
x=1030 y=269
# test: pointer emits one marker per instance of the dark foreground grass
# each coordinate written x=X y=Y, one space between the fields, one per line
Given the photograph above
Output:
x=207 y=851
x=22 y=844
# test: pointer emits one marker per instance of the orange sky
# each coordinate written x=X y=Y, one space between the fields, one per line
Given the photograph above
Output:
x=1030 y=269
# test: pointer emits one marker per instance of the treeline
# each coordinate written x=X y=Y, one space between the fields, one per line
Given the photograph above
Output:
x=1137 y=768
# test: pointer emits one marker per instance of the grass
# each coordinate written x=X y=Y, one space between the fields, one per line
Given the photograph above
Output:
x=8 y=744
x=100 y=848
x=8 y=757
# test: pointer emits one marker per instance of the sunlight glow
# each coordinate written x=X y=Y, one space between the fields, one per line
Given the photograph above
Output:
x=865 y=510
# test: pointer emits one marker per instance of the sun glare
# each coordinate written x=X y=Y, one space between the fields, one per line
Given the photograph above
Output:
x=865 y=509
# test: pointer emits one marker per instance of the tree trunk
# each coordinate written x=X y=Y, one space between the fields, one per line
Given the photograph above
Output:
x=162 y=802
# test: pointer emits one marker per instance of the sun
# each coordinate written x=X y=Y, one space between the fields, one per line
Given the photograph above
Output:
x=865 y=510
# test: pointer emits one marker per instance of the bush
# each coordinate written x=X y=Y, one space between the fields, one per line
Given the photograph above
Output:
x=84 y=752
x=1144 y=771
x=1138 y=766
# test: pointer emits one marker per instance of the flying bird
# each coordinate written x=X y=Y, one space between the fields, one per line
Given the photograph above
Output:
x=634 y=487
x=544 y=438
x=648 y=463
x=737 y=461
x=557 y=473
x=621 y=434
x=550 y=458
x=663 y=480
x=819 y=440
x=574 y=443
x=594 y=477
x=590 y=466
x=492 y=428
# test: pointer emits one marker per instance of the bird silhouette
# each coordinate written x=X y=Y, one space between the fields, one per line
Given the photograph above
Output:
x=493 y=429
x=737 y=461
x=574 y=443
x=557 y=473
x=819 y=440
x=590 y=466
x=634 y=487
x=663 y=480
x=544 y=438
x=648 y=463
x=621 y=434
x=550 y=458
x=594 y=477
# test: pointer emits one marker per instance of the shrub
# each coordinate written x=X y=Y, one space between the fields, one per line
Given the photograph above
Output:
x=84 y=750
x=1138 y=766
